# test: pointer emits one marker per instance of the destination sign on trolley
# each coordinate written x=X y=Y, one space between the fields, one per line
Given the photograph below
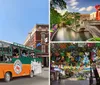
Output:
x=20 y=45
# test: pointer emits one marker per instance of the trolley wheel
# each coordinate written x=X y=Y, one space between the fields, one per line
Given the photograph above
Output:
x=31 y=74
x=7 y=77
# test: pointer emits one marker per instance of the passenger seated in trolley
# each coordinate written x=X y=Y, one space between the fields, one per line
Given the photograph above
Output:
x=25 y=54
x=16 y=55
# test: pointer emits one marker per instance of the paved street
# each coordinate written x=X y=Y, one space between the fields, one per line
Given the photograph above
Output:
x=71 y=82
x=41 y=79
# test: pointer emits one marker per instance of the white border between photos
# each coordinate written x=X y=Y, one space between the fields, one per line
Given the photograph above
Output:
x=49 y=42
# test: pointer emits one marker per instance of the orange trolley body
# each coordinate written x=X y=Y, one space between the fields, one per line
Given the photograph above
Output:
x=4 y=68
x=18 y=60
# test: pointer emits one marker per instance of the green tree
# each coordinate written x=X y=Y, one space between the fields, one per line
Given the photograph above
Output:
x=68 y=18
x=58 y=3
x=77 y=18
x=72 y=18
x=55 y=17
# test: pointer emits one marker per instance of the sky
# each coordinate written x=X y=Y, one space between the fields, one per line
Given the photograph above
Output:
x=81 y=6
x=18 y=17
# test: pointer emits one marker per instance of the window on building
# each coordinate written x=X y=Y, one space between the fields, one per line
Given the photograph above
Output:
x=1 y=57
x=0 y=48
x=39 y=29
x=43 y=48
x=43 y=37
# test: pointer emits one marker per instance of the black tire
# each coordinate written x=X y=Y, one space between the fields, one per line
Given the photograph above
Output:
x=7 y=77
x=31 y=74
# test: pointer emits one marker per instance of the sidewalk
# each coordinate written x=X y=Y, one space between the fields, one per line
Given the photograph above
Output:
x=45 y=73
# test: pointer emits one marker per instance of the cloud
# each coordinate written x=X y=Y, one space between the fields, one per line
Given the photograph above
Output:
x=61 y=11
x=89 y=8
x=73 y=2
x=76 y=8
x=82 y=9
x=73 y=7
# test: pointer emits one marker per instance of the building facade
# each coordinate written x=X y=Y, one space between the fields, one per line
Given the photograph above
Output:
x=93 y=16
x=85 y=17
x=39 y=38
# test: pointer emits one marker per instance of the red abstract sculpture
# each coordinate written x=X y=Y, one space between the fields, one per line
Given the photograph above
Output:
x=97 y=12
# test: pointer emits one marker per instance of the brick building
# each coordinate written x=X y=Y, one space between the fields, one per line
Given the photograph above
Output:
x=39 y=38
x=85 y=17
